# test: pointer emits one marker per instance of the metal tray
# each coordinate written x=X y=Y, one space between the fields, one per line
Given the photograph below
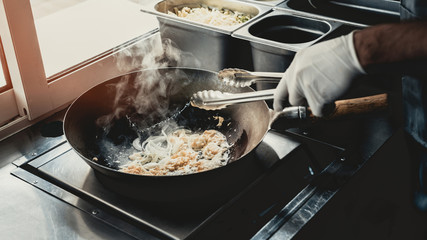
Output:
x=211 y=47
x=360 y=13
x=160 y=9
x=270 y=3
x=285 y=31
x=276 y=37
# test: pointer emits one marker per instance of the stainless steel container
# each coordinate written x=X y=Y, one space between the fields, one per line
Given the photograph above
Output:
x=212 y=46
x=271 y=3
x=277 y=36
x=360 y=13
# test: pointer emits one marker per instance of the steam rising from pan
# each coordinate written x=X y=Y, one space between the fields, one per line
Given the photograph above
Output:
x=144 y=103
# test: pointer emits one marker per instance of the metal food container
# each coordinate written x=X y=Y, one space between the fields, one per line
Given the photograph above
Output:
x=277 y=36
x=270 y=3
x=212 y=46
x=360 y=13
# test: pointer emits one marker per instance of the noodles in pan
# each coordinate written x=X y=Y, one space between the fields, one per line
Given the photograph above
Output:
x=179 y=152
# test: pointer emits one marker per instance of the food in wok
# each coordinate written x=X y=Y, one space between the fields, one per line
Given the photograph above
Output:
x=177 y=152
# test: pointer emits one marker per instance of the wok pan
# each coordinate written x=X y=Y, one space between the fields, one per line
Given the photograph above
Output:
x=98 y=121
x=103 y=122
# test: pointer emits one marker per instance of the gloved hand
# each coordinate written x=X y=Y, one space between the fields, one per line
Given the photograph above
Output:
x=320 y=74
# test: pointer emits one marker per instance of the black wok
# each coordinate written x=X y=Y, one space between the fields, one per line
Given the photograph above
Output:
x=106 y=118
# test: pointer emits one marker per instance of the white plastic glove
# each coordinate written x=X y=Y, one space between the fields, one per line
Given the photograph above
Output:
x=320 y=74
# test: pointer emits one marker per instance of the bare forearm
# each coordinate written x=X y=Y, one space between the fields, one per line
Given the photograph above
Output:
x=396 y=48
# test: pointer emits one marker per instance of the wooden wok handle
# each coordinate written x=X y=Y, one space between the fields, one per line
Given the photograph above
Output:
x=355 y=107
x=298 y=116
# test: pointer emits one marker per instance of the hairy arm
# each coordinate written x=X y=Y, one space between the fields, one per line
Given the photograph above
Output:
x=393 y=48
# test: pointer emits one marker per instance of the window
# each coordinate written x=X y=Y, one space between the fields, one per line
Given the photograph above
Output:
x=57 y=49
x=2 y=74
x=7 y=99
x=72 y=32
x=4 y=71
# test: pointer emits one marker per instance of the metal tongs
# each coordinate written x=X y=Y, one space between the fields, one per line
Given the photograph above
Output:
x=215 y=100
x=241 y=78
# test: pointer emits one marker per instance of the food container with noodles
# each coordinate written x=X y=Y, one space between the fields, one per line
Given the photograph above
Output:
x=203 y=28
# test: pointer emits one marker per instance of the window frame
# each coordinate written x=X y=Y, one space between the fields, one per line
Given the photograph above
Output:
x=5 y=69
x=24 y=60
x=34 y=96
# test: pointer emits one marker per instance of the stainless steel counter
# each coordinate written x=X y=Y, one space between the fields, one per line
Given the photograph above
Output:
x=30 y=213
x=61 y=173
